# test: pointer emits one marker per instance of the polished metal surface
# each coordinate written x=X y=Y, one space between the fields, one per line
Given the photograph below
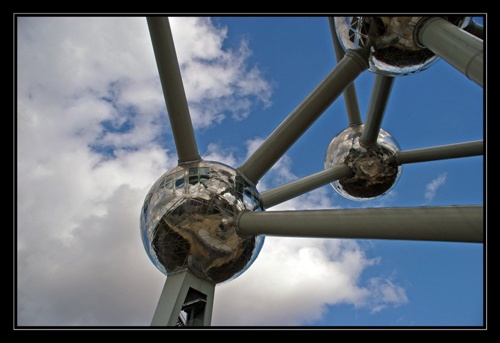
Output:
x=188 y=221
x=373 y=171
x=393 y=50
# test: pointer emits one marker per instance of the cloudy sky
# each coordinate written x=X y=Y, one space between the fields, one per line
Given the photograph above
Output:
x=92 y=136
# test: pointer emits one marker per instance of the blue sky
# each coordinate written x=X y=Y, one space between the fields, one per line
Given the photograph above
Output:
x=93 y=136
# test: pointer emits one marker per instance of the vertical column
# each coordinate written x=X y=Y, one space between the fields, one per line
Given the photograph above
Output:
x=185 y=292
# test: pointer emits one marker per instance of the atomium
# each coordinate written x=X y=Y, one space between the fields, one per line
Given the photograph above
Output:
x=394 y=51
x=374 y=171
x=187 y=221
x=198 y=217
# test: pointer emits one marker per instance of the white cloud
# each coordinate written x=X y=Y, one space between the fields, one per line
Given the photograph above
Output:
x=217 y=154
x=272 y=274
x=386 y=293
x=292 y=281
x=216 y=80
x=432 y=187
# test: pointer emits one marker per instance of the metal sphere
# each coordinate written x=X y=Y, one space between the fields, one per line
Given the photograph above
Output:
x=393 y=50
x=374 y=172
x=187 y=222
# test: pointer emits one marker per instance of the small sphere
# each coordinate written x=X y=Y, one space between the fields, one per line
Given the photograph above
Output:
x=393 y=50
x=374 y=172
x=188 y=221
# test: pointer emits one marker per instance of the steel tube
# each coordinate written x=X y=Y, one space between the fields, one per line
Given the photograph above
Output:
x=446 y=223
x=467 y=149
x=378 y=102
x=298 y=187
x=350 y=96
x=459 y=48
x=173 y=89
x=297 y=122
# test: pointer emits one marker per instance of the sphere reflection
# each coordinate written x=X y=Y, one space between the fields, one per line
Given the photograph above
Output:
x=374 y=172
x=187 y=221
x=393 y=51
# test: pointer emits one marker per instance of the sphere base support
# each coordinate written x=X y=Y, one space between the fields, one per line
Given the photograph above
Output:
x=185 y=300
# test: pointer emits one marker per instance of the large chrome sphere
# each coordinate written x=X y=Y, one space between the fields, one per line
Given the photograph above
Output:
x=374 y=172
x=393 y=50
x=187 y=221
